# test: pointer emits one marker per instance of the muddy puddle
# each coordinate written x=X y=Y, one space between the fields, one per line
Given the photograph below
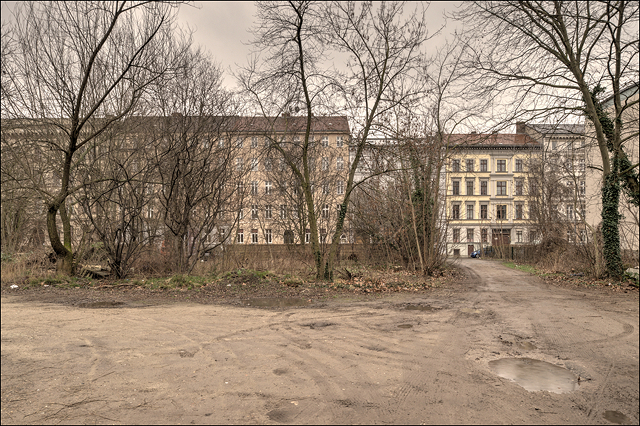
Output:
x=96 y=305
x=616 y=417
x=405 y=326
x=427 y=308
x=274 y=302
x=535 y=375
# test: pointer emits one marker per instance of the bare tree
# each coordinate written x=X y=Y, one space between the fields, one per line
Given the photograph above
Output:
x=381 y=46
x=556 y=57
x=73 y=63
x=197 y=183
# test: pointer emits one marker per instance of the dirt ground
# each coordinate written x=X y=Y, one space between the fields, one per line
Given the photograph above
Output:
x=429 y=357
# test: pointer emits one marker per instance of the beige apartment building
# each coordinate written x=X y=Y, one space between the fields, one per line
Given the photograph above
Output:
x=486 y=200
x=562 y=176
x=274 y=209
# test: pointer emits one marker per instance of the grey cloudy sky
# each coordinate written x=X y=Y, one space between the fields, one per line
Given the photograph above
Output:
x=223 y=29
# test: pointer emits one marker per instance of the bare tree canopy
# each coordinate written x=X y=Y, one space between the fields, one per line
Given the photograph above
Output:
x=296 y=40
x=74 y=69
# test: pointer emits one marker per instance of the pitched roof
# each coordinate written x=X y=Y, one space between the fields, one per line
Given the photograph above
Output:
x=493 y=140
x=558 y=129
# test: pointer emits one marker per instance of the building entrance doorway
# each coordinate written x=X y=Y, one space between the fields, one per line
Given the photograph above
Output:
x=470 y=249
x=501 y=237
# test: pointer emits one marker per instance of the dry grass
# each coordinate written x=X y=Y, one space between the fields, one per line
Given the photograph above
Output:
x=23 y=266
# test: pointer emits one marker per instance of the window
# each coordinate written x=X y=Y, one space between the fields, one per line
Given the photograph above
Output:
x=483 y=165
x=501 y=188
x=239 y=142
x=484 y=235
x=583 y=187
x=501 y=212
x=483 y=211
x=469 y=187
x=533 y=187
x=455 y=166
x=483 y=187
x=325 y=141
x=254 y=187
x=254 y=164
x=456 y=187
x=267 y=164
x=554 y=145
x=268 y=236
x=519 y=185
x=532 y=236
x=282 y=164
x=518 y=165
x=268 y=212
x=502 y=166
x=455 y=212
x=518 y=236
x=583 y=236
x=325 y=188
x=469 y=211
x=239 y=163
x=221 y=143
x=339 y=141
x=456 y=235
x=343 y=239
x=240 y=237
x=519 y=209
x=254 y=236
x=570 y=212
x=254 y=142
x=307 y=236
x=340 y=187
x=254 y=211
x=325 y=163
x=456 y=252
x=339 y=163
x=240 y=214
x=470 y=165
x=283 y=211
x=581 y=164
x=267 y=187
x=325 y=211
x=470 y=235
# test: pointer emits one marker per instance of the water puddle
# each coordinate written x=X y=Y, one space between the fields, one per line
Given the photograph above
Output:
x=405 y=326
x=616 y=417
x=420 y=308
x=273 y=302
x=100 y=304
x=314 y=325
x=535 y=375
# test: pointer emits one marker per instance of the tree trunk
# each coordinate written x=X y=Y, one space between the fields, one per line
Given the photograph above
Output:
x=65 y=256
x=610 y=220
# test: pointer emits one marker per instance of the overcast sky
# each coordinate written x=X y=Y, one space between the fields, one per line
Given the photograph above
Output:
x=223 y=29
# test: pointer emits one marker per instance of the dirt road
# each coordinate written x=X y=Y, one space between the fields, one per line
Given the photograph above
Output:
x=430 y=358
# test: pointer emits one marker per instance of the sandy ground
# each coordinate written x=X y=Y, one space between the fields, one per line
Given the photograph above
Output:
x=405 y=358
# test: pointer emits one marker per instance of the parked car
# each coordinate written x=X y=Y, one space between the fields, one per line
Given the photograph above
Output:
x=475 y=253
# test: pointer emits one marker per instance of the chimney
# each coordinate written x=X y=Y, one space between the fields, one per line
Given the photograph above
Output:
x=520 y=127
